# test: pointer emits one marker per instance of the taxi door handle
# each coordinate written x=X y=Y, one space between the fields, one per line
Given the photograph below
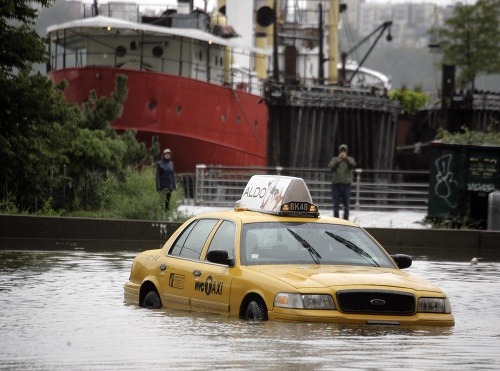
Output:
x=197 y=273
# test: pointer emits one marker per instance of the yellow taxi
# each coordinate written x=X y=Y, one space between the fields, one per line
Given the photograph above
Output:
x=275 y=258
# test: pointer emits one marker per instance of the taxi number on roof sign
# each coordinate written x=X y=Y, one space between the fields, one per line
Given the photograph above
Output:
x=299 y=206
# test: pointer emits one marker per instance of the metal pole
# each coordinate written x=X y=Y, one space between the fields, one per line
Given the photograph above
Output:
x=321 y=69
x=64 y=50
x=64 y=186
x=51 y=181
x=276 y=72
x=142 y=50
x=358 y=185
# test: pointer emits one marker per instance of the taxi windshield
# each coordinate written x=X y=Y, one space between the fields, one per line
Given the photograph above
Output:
x=309 y=243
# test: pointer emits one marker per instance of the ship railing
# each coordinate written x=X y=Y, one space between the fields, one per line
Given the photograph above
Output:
x=372 y=189
x=239 y=78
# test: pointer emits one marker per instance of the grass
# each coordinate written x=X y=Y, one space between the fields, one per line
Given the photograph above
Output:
x=131 y=196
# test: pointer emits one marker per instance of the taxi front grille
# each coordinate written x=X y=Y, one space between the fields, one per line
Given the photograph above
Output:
x=376 y=302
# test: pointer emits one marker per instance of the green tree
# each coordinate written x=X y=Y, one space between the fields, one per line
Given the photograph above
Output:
x=36 y=123
x=20 y=45
x=470 y=39
x=40 y=133
x=411 y=100
x=97 y=149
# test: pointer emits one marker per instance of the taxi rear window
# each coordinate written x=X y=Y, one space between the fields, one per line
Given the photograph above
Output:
x=309 y=243
x=191 y=241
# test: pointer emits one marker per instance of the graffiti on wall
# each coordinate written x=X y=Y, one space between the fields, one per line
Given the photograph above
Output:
x=446 y=185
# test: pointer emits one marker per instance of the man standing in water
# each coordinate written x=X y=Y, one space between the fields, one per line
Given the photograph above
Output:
x=341 y=167
x=165 y=177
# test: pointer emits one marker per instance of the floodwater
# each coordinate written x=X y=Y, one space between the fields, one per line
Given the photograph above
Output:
x=65 y=310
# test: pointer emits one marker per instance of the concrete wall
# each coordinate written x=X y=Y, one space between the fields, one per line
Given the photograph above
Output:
x=55 y=233
x=440 y=243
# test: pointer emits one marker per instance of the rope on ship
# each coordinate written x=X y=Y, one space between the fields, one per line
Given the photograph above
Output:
x=246 y=119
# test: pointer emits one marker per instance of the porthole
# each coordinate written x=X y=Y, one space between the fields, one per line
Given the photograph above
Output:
x=238 y=120
x=152 y=105
x=178 y=109
x=223 y=118
x=120 y=51
x=157 y=51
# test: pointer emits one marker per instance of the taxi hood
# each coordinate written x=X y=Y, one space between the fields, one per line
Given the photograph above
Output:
x=342 y=276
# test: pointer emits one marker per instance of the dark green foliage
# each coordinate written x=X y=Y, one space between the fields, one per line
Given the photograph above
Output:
x=98 y=112
x=411 y=100
x=20 y=46
x=48 y=147
x=470 y=39
x=490 y=137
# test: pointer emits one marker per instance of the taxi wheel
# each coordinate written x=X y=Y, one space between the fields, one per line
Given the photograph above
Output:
x=255 y=310
x=152 y=300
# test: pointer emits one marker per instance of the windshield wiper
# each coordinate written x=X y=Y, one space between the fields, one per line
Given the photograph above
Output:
x=314 y=254
x=353 y=247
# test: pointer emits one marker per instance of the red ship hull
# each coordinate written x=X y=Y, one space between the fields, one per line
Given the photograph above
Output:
x=201 y=122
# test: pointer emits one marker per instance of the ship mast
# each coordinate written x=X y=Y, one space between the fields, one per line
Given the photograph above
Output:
x=333 y=29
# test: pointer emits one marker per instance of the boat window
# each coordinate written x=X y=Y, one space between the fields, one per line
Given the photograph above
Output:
x=121 y=51
x=157 y=51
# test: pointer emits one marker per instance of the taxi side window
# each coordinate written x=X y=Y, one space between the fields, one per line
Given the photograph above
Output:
x=224 y=238
x=191 y=241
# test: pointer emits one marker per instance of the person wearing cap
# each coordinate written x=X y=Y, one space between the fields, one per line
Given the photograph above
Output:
x=165 y=177
x=341 y=167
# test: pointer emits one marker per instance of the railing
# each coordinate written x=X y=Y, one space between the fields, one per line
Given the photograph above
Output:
x=372 y=189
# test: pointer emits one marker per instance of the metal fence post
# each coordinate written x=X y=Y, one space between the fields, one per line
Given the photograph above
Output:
x=200 y=181
x=358 y=185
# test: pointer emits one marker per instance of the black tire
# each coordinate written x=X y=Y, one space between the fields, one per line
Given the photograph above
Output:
x=152 y=300
x=256 y=310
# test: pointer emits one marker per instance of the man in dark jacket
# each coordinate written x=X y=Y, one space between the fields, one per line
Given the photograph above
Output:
x=165 y=177
x=341 y=168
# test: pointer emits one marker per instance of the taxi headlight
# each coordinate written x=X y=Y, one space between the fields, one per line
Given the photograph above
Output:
x=303 y=301
x=434 y=305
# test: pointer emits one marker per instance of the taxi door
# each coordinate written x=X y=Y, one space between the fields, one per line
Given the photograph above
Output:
x=177 y=278
x=176 y=283
x=212 y=282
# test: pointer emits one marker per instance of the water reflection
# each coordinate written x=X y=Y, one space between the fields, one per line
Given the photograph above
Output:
x=65 y=310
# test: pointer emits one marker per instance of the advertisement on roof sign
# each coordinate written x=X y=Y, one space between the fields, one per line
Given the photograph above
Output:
x=265 y=192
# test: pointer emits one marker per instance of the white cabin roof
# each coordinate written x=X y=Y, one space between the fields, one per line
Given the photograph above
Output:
x=89 y=26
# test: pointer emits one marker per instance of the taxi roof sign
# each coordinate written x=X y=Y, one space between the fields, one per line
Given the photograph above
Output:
x=282 y=195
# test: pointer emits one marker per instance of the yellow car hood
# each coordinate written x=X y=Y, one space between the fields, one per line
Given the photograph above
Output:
x=341 y=276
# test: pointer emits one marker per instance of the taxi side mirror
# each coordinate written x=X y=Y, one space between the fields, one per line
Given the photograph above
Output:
x=402 y=260
x=219 y=257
